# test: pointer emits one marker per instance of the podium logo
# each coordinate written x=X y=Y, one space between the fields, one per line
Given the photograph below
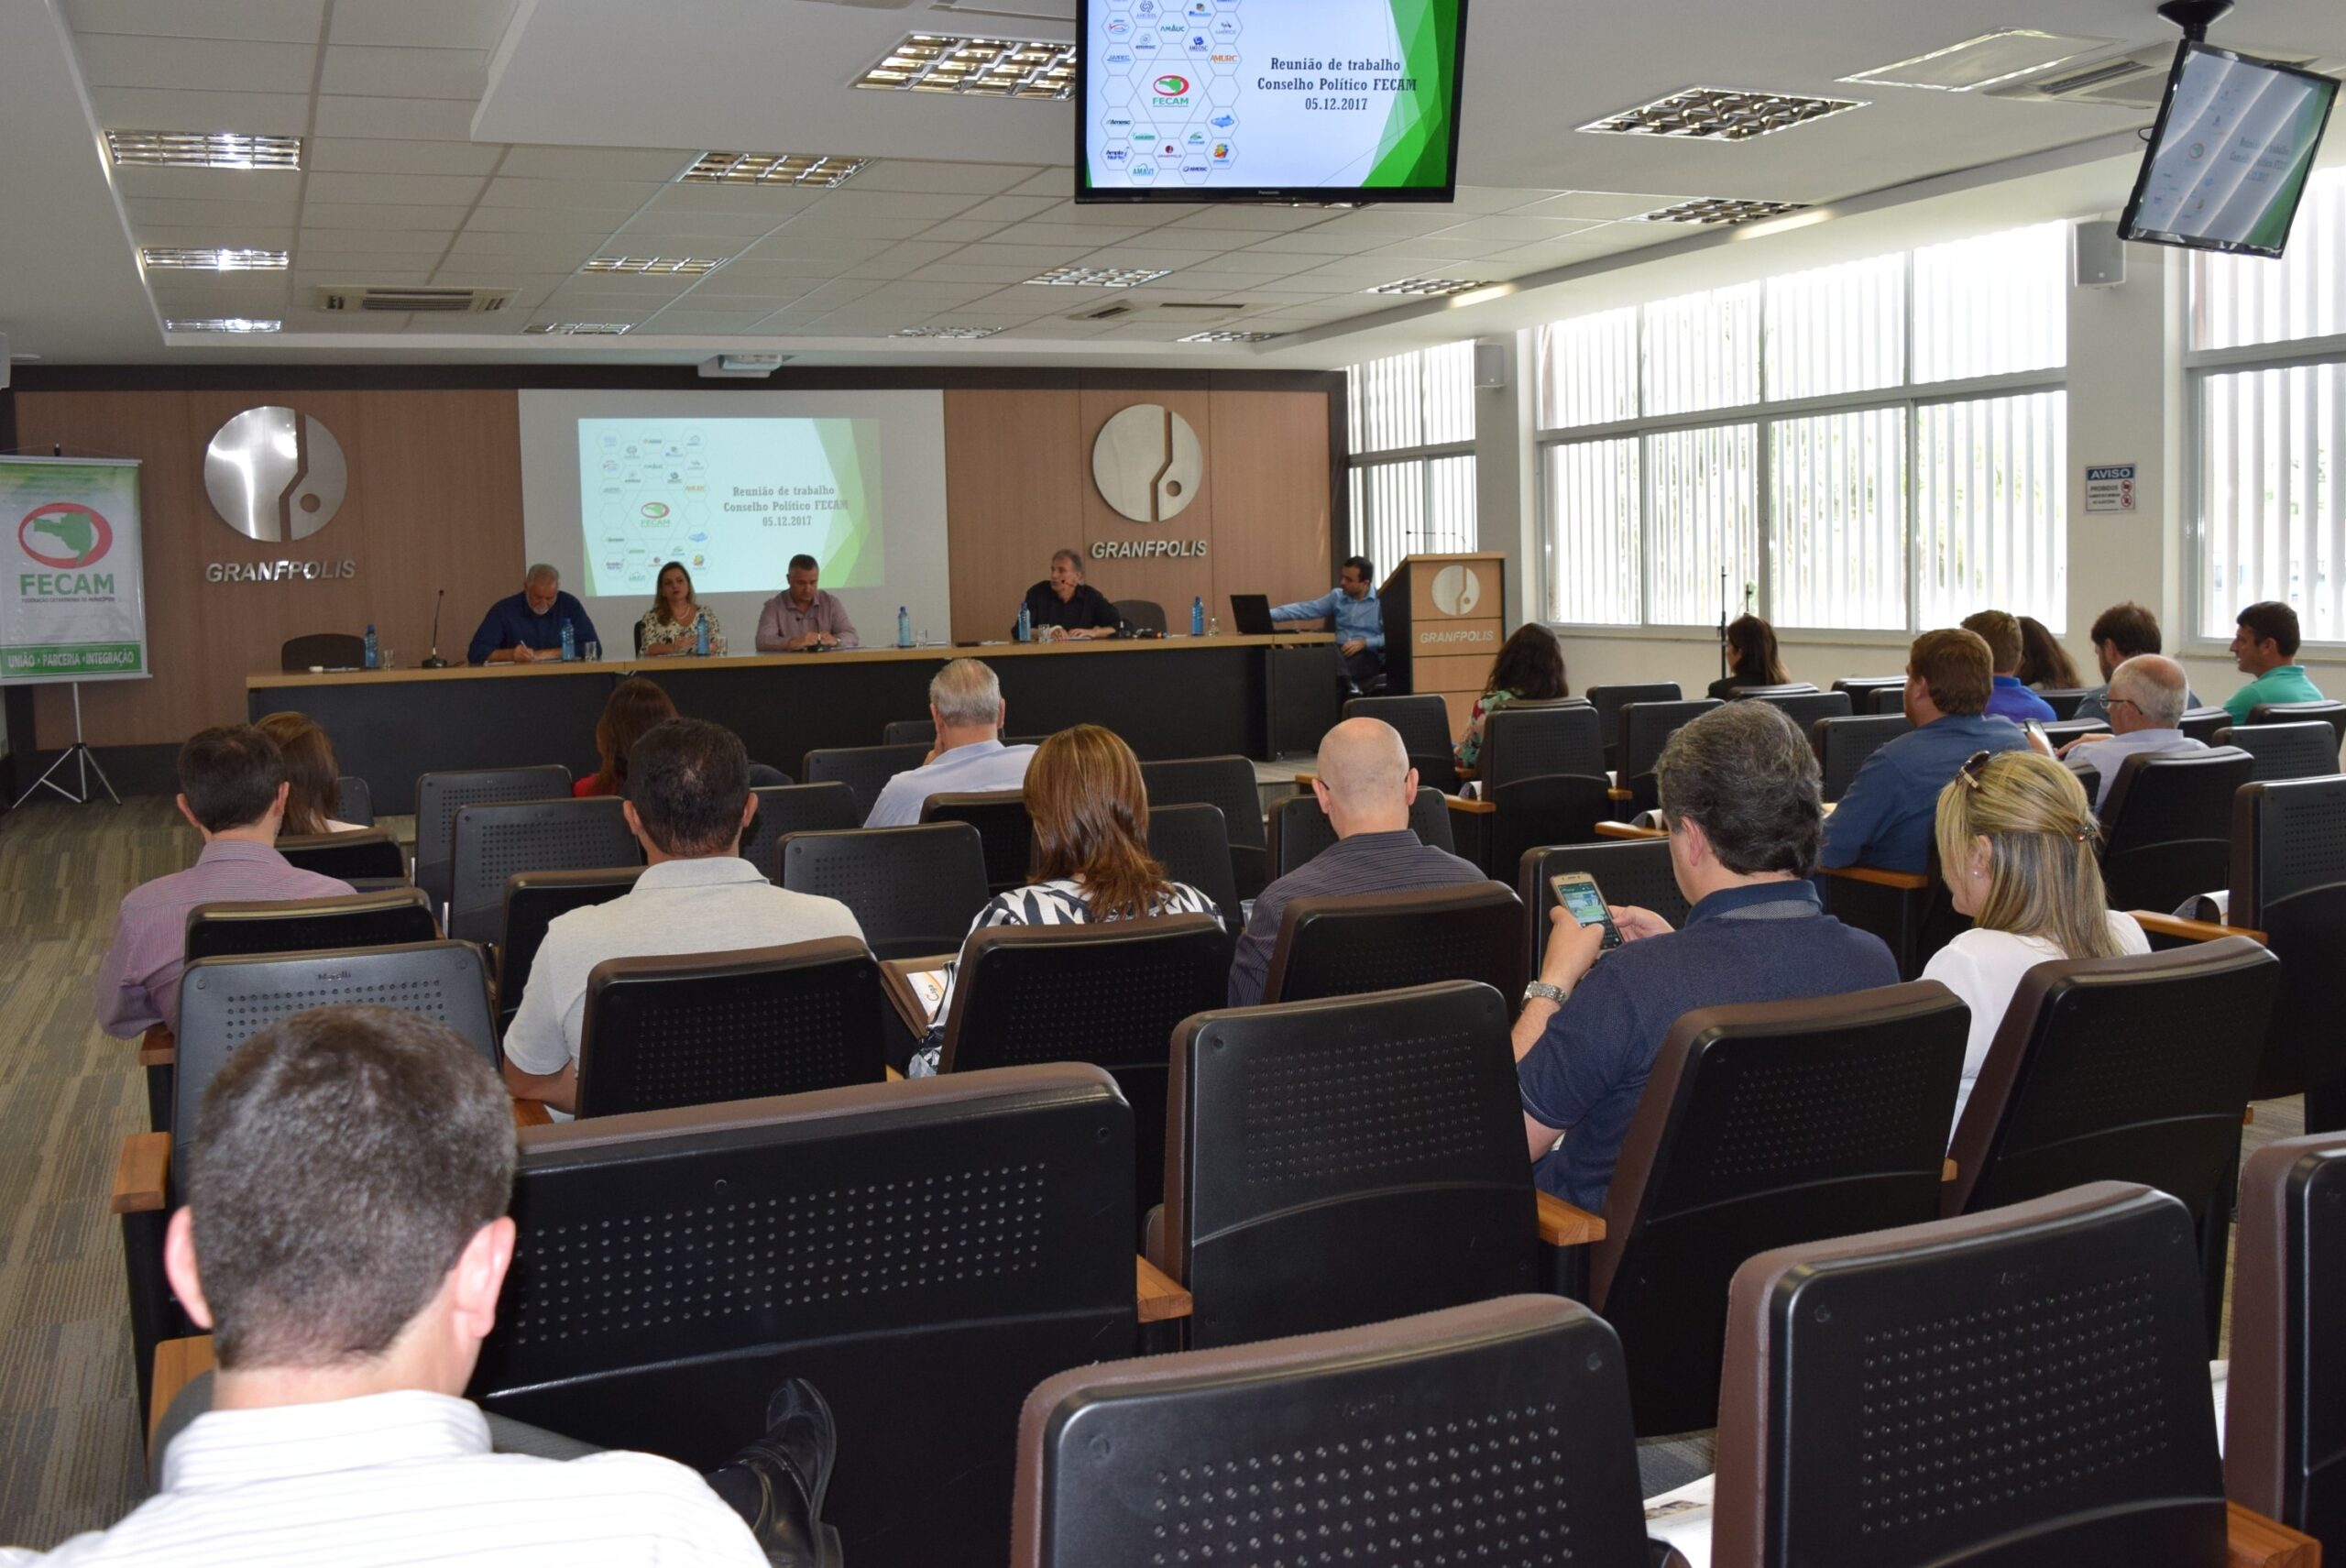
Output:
x=1457 y=591
x=64 y=536
x=275 y=474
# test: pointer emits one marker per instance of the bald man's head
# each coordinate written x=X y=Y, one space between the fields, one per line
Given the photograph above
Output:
x=1364 y=782
x=2154 y=687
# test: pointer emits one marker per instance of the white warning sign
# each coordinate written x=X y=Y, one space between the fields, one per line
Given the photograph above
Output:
x=2111 y=487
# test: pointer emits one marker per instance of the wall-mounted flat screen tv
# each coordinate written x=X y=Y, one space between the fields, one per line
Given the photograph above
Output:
x=2235 y=140
x=1268 y=99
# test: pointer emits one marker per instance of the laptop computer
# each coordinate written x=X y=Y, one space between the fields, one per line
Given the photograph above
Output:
x=1250 y=614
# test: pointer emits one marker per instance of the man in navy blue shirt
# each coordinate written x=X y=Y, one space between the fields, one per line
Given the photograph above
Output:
x=527 y=626
x=1739 y=789
x=1885 y=816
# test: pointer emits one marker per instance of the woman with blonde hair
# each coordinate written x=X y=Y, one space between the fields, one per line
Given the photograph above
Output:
x=634 y=706
x=1091 y=863
x=2016 y=848
x=312 y=786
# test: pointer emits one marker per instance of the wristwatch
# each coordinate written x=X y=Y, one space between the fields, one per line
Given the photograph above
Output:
x=1544 y=992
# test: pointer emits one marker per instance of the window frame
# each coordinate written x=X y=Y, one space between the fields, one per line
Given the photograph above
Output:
x=1363 y=529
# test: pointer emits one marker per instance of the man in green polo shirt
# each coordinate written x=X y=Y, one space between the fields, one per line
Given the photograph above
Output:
x=2264 y=647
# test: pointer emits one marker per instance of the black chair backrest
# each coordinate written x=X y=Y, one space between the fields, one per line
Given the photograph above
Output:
x=698 y=1028
x=923 y=1252
x=1561 y=808
x=1004 y=828
x=1630 y=871
x=1380 y=941
x=2064 y=700
x=2329 y=711
x=372 y=854
x=913 y=890
x=2289 y=880
x=1423 y=723
x=1525 y=741
x=2202 y=723
x=533 y=900
x=866 y=769
x=1888 y=699
x=2305 y=749
x=908 y=732
x=2022 y=1387
x=354 y=801
x=1141 y=615
x=1344 y=1161
x=1772 y=688
x=1843 y=744
x=322 y=650
x=439 y=796
x=1762 y=1125
x=2167 y=826
x=225 y=1001
x=1300 y=831
x=795 y=808
x=496 y=839
x=1645 y=725
x=1461 y=1455
x=389 y=917
x=2284 y=1415
x=2065 y=729
x=1193 y=845
x=1860 y=688
x=1609 y=701
x=1228 y=783
x=1109 y=995
x=1804 y=709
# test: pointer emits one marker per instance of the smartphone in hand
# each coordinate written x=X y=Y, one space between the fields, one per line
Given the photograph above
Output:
x=1577 y=892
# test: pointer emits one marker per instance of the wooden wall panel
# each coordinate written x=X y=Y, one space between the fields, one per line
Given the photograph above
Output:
x=1015 y=467
x=1268 y=451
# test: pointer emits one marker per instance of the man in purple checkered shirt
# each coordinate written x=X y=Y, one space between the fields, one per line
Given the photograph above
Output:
x=231 y=788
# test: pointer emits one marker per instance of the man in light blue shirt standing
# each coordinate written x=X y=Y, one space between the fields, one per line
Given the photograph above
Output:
x=965 y=701
x=1352 y=608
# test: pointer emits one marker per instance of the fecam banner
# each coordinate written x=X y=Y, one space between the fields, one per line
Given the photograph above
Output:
x=74 y=605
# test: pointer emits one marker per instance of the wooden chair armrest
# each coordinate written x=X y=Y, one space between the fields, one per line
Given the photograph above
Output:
x=1617 y=794
x=1948 y=1171
x=157 y=1048
x=896 y=984
x=1560 y=1224
x=1629 y=831
x=2190 y=930
x=1157 y=1297
x=141 y=1173
x=1911 y=881
x=2251 y=1541
x=1471 y=808
x=893 y=1075
x=531 y=1113
x=1303 y=784
x=177 y=1363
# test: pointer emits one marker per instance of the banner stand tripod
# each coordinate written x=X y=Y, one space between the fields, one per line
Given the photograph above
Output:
x=85 y=762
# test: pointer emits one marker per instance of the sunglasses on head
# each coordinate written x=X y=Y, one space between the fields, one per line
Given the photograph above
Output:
x=1975 y=769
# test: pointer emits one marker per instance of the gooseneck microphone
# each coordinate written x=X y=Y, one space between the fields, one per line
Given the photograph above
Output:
x=435 y=662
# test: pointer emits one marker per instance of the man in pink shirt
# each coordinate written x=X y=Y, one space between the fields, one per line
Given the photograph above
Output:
x=805 y=616
x=232 y=789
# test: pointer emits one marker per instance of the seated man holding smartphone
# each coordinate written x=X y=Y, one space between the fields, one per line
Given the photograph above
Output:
x=1739 y=790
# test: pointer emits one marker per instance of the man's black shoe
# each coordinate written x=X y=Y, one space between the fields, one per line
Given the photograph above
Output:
x=777 y=1483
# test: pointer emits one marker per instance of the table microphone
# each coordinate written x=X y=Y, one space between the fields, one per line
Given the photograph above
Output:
x=435 y=661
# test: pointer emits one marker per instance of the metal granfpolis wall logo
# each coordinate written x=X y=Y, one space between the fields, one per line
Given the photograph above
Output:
x=275 y=476
x=1148 y=465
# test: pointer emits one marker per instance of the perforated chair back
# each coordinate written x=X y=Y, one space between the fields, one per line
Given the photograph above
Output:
x=439 y=796
x=908 y=732
x=1193 y=845
x=1109 y=995
x=2167 y=826
x=913 y=890
x=373 y=855
x=2064 y=700
x=698 y=1028
x=226 y=1002
x=1142 y=615
x=1353 y=943
x=1609 y=701
x=1344 y=1161
x=1486 y=1434
x=1528 y=740
x=1003 y=828
x=1423 y=724
x=1645 y=728
x=2328 y=711
x=354 y=801
x=1762 y=1125
x=1772 y=689
x=784 y=809
x=533 y=900
x=1804 y=709
x=322 y=650
x=923 y=1252
x=1627 y=871
x=495 y=841
x=866 y=769
x=1862 y=687
x=2305 y=749
x=1228 y=783
x=2025 y=1386
x=2285 y=1413
x=2289 y=880
x=1301 y=833
x=2202 y=723
x=1888 y=699
x=388 y=918
x=1843 y=744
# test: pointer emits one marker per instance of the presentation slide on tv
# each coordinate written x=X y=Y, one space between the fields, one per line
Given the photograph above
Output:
x=732 y=499
x=2240 y=140
x=1257 y=94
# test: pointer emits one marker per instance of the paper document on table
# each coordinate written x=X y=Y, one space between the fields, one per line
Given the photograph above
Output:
x=1681 y=1518
x=929 y=988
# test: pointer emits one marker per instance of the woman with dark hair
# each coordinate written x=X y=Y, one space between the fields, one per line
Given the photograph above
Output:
x=1530 y=668
x=1091 y=863
x=2044 y=665
x=673 y=624
x=634 y=706
x=312 y=792
x=1751 y=657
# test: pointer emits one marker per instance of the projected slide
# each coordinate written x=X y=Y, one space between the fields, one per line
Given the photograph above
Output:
x=732 y=499
x=2237 y=142
x=1256 y=94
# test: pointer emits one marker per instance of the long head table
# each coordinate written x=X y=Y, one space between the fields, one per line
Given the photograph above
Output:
x=1256 y=696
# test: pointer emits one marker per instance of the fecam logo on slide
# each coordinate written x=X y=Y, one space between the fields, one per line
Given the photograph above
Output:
x=73 y=535
x=1171 y=91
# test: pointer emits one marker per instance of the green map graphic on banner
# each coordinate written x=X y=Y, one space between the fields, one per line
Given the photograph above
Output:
x=73 y=605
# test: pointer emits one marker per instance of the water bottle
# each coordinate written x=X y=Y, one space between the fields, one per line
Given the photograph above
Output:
x=1197 y=616
x=904 y=626
x=700 y=635
x=569 y=641
x=1025 y=633
x=374 y=654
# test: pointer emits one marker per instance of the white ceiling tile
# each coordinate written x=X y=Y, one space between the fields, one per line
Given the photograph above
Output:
x=380 y=215
x=134 y=180
x=931 y=206
x=677 y=322
x=786 y=246
x=1258 y=263
x=1011 y=209
x=1596 y=204
x=863 y=225
x=1392 y=221
x=253 y=237
x=270 y=21
x=528 y=287
x=1231 y=215
x=737 y=299
x=395 y=190
x=443 y=24
x=663 y=164
x=638 y=240
x=741 y=199
x=564 y=250
x=1114 y=215
x=341 y=156
x=963 y=272
x=1141 y=253
x=506 y=191
x=399 y=119
x=1086 y=237
x=664 y=285
x=487 y=219
x=552 y=314
x=175 y=109
x=1436 y=248
x=914 y=174
x=348 y=264
x=1517 y=229
x=1473 y=199
x=730 y=229
x=418 y=242
x=118 y=59
x=1310 y=241
x=405 y=72
x=370 y=321
x=506 y=323
x=1057 y=181
x=151 y=212
x=1035 y=257
x=962 y=231
x=307 y=279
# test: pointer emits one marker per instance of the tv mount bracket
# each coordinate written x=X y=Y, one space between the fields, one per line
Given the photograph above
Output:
x=2195 y=17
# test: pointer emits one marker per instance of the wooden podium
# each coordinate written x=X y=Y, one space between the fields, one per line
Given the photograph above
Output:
x=1445 y=617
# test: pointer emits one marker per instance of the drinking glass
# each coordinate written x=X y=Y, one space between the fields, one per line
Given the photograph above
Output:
x=592 y=653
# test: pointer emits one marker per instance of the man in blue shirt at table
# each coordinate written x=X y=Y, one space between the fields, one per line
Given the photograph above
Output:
x=527 y=627
x=1351 y=607
x=965 y=702
x=1886 y=817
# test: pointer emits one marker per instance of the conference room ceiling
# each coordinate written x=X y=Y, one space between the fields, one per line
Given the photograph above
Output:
x=486 y=143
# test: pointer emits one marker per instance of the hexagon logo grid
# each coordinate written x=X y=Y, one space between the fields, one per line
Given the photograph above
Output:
x=1165 y=100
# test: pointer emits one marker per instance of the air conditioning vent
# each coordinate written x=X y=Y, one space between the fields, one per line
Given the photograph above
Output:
x=2136 y=81
x=336 y=297
x=1104 y=314
x=1180 y=309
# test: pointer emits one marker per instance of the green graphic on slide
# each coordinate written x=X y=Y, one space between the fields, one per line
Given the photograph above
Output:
x=1415 y=147
x=853 y=447
x=2272 y=228
x=74 y=530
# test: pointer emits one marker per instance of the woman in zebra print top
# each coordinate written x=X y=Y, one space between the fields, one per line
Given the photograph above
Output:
x=1091 y=863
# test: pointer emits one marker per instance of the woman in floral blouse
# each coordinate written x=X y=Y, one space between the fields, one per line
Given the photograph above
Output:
x=673 y=623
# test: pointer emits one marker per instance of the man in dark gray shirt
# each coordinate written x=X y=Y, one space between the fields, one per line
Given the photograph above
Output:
x=1364 y=783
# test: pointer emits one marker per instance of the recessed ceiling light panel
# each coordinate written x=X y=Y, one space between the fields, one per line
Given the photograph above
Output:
x=681 y=265
x=211 y=258
x=1101 y=277
x=578 y=329
x=222 y=323
x=1230 y=337
x=992 y=68
x=771 y=169
x=199 y=150
x=1428 y=285
x=1719 y=113
x=1983 y=61
x=948 y=331
x=1720 y=210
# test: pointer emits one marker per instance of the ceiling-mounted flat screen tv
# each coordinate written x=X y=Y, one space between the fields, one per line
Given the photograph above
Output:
x=2235 y=139
x=1268 y=99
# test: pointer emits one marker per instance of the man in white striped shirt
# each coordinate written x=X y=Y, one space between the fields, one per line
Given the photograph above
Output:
x=345 y=1236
